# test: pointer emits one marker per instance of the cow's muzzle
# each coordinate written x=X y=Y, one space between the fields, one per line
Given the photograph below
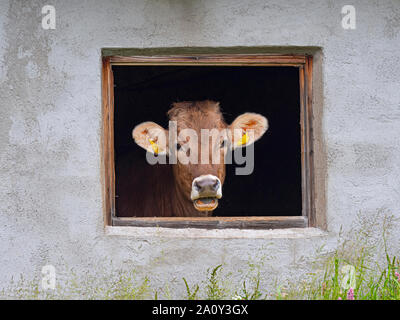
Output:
x=206 y=190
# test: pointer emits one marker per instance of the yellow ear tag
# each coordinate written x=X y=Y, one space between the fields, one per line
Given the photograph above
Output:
x=154 y=146
x=244 y=139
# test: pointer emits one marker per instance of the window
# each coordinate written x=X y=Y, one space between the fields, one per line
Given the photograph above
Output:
x=279 y=192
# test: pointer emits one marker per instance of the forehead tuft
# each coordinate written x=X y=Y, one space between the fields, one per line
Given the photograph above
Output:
x=197 y=114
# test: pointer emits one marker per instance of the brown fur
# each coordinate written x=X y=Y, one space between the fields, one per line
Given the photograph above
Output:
x=150 y=191
x=197 y=116
x=164 y=190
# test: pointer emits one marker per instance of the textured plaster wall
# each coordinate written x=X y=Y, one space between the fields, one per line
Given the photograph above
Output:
x=50 y=130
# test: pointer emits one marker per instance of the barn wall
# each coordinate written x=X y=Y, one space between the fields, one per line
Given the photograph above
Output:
x=50 y=132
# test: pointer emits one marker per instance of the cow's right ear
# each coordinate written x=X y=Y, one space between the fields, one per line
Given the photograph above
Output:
x=151 y=137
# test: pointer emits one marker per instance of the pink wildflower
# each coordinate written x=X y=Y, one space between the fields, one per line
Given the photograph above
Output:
x=397 y=275
x=340 y=298
x=350 y=294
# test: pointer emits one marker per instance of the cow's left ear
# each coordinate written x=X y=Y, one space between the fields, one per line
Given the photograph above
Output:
x=247 y=128
x=151 y=137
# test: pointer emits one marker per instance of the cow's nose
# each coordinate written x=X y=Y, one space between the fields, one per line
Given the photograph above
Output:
x=206 y=186
x=206 y=183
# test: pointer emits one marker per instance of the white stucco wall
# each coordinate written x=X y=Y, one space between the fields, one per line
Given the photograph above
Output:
x=50 y=129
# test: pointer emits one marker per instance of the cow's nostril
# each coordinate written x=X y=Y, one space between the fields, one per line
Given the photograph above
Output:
x=216 y=185
x=197 y=186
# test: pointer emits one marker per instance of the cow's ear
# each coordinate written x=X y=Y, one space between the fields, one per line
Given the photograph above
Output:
x=151 y=137
x=247 y=128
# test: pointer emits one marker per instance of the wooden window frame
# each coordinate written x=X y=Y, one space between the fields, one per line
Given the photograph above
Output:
x=305 y=65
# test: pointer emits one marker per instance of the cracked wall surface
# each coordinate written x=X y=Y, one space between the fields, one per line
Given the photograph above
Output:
x=50 y=128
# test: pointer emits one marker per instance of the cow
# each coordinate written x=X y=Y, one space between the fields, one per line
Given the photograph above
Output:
x=191 y=189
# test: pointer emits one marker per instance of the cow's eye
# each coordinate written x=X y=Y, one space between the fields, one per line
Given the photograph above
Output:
x=178 y=146
x=223 y=144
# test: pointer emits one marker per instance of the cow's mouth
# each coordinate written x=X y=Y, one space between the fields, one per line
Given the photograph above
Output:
x=205 y=204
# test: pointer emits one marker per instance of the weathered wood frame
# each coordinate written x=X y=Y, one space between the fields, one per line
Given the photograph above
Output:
x=303 y=62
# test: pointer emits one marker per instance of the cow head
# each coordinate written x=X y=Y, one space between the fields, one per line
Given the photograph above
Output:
x=199 y=180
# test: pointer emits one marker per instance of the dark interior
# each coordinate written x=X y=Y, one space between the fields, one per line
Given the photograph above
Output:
x=145 y=93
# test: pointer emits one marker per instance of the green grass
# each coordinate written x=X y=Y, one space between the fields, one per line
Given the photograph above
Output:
x=361 y=268
x=369 y=282
x=354 y=266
